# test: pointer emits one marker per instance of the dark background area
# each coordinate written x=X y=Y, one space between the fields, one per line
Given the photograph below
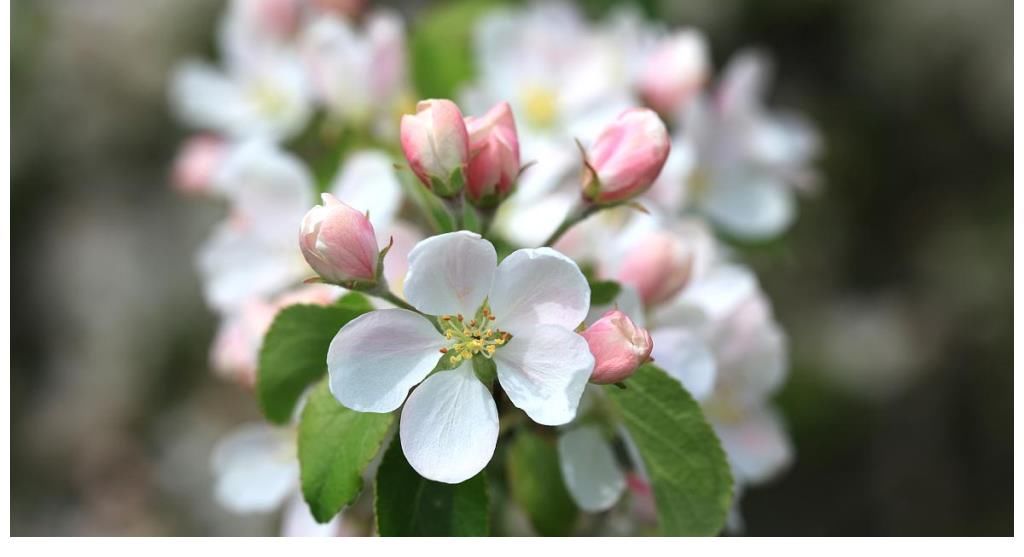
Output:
x=894 y=285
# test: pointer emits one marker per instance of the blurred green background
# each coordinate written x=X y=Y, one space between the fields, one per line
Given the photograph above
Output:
x=894 y=285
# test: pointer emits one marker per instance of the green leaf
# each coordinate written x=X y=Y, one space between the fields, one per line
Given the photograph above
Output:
x=409 y=505
x=688 y=470
x=335 y=446
x=603 y=292
x=535 y=481
x=442 y=53
x=294 y=352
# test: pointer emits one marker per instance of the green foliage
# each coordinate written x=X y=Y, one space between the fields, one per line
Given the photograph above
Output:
x=294 y=352
x=335 y=447
x=407 y=504
x=442 y=56
x=603 y=292
x=535 y=482
x=688 y=470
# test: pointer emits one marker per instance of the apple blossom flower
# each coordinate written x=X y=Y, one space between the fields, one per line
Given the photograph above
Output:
x=266 y=98
x=675 y=71
x=436 y=144
x=252 y=253
x=618 y=345
x=519 y=314
x=743 y=163
x=627 y=157
x=564 y=78
x=197 y=162
x=339 y=243
x=493 y=156
x=727 y=314
x=359 y=74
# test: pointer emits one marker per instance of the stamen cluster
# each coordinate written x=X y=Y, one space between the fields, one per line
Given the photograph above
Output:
x=472 y=337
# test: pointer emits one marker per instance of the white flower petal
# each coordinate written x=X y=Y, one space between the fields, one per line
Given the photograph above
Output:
x=256 y=468
x=367 y=181
x=751 y=207
x=684 y=355
x=237 y=265
x=758 y=446
x=269 y=189
x=204 y=97
x=450 y=273
x=298 y=521
x=544 y=372
x=720 y=291
x=539 y=287
x=594 y=479
x=450 y=426
x=377 y=357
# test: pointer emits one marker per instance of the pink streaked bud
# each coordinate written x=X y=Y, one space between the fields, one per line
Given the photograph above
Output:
x=338 y=242
x=274 y=18
x=348 y=8
x=618 y=345
x=436 y=144
x=627 y=156
x=658 y=267
x=197 y=162
x=675 y=72
x=493 y=156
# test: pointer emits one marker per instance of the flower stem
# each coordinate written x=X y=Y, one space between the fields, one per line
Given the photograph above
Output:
x=454 y=206
x=381 y=290
x=577 y=214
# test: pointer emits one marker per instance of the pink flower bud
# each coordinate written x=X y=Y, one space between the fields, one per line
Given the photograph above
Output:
x=618 y=346
x=347 y=8
x=675 y=71
x=197 y=162
x=658 y=267
x=338 y=242
x=277 y=19
x=493 y=155
x=627 y=156
x=436 y=144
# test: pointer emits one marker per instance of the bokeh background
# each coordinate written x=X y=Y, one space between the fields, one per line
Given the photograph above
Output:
x=894 y=285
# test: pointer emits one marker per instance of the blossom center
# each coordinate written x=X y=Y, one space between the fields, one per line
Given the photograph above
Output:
x=469 y=337
x=541 y=106
x=268 y=99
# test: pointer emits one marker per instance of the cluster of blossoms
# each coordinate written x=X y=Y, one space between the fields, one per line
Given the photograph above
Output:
x=566 y=156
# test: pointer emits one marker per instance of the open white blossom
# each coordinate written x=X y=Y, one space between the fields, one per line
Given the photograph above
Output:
x=520 y=314
x=358 y=73
x=564 y=78
x=737 y=162
x=256 y=471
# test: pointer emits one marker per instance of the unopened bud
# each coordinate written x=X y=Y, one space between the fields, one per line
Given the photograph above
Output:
x=493 y=156
x=618 y=345
x=436 y=144
x=338 y=242
x=675 y=72
x=658 y=267
x=627 y=157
